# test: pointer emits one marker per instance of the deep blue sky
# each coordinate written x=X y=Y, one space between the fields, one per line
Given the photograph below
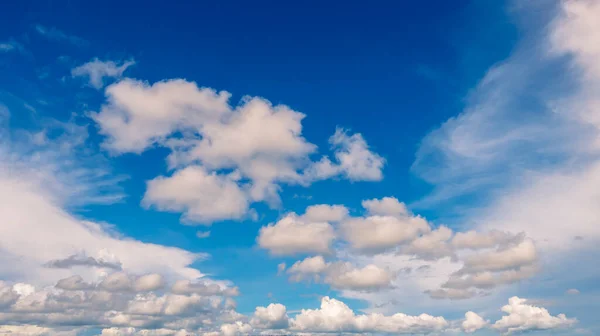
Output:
x=390 y=70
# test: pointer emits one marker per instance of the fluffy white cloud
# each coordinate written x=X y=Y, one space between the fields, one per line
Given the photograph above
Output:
x=137 y=114
x=522 y=254
x=523 y=317
x=432 y=245
x=314 y=265
x=386 y=206
x=293 y=234
x=473 y=322
x=274 y=316
x=335 y=316
x=354 y=159
x=381 y=232
x=325 y=213
x=346 y=276
x=96 y=71
x=341 y=275
x=202 y=196
x=261 y=144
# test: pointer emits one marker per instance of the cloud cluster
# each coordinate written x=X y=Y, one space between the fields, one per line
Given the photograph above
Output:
x=241 y=153
x=485 y=259
x=341 y=275
x=118 y=303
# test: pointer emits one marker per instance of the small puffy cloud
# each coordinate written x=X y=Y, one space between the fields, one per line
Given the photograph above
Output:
x=386 y=206
x=432 y=245
x=473 y=322
x=335 y=316
x=293 y=235
x=353 y=159
x=83 y=261
x=96 y=71
x=381 y=232
x=341 y=275
x=370 y=277
x=138 y=115
x=325 y=213
x=523 y=317
x=573 y=291
x=202 y=196
x=310 y=265
x=522 y=254
x=274 y=316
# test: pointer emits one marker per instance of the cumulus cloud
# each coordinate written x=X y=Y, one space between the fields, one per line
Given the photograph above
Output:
x=259 y=143
x=353 y=159
x=473 y=322
x=386 y=206
x=522 y=317
x=274 y=316
x=335 y=316
x=203 y=197
x=382 y=232
x=325 y=213
x=341 y=275
x=96 y=71
x=293 y=235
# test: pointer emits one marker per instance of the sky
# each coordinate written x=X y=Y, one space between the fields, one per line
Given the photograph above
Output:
x=299 y=168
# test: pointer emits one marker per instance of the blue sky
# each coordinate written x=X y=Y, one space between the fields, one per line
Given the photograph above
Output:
x=420 y=158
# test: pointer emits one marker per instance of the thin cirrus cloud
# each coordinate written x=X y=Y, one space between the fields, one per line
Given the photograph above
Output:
x=96 y=71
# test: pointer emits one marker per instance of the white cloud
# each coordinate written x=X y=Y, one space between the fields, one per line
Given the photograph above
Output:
x=260 y=143
x=293 y=235
x=138 y=115
x=341 y=275
x=522 y=254
x=432 y=245
x=325 y=213
x=335 y=316
x=523 y=317
x=96 y=71
x=346 y=276
x=386 y=206
x=203 y=197
x=473 y=322
x=274 y=316
x=314 y=265
x=354 y=159
x=381 y=232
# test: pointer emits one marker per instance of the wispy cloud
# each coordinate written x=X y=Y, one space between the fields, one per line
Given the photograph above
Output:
x=96 y=71
x=53 y=33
